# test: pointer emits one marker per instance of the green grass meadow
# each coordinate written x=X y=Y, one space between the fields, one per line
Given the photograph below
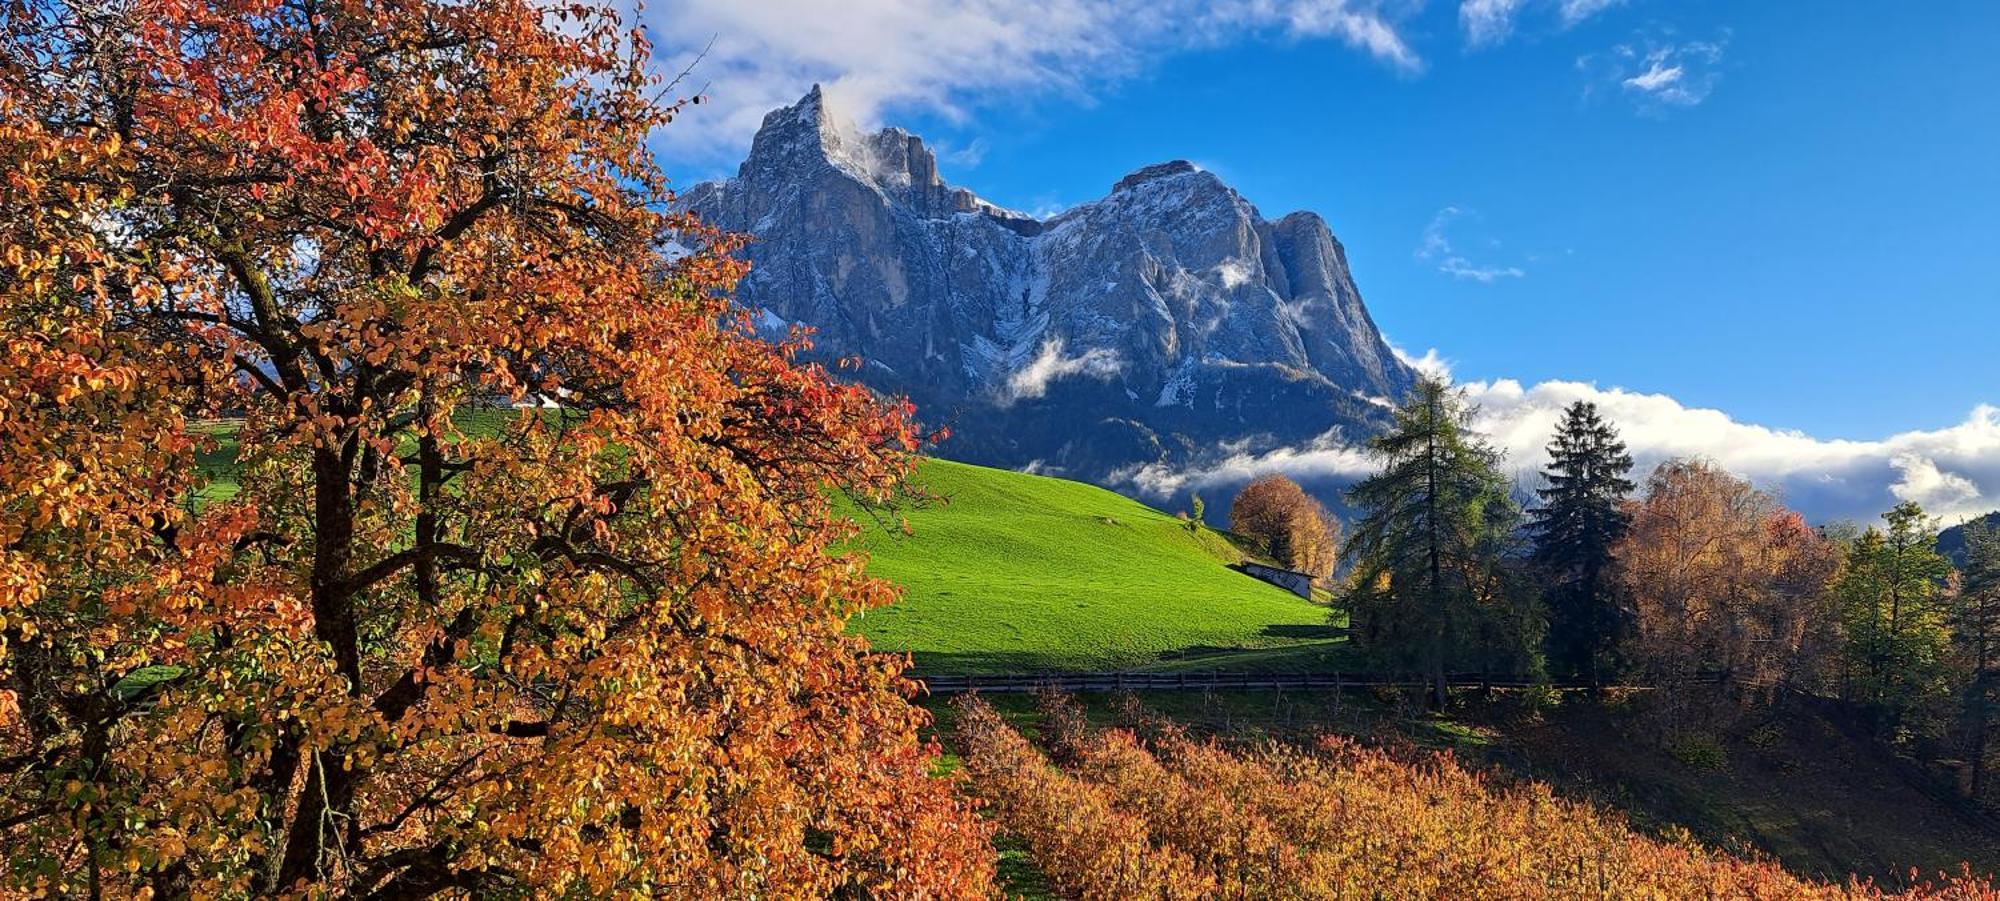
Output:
x=1023 y=573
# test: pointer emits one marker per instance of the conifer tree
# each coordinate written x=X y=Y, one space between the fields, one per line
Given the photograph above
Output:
x=1978 y=627
x=1892 y=598
x=1575 y=529
x=1434 y=585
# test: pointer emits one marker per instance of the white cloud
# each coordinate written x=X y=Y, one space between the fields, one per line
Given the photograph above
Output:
x=1657 y=73
x=1575 y=11
x=1487 y=23
x=1953 y=471
x=942 y=56
x=1326 y=458
x=1436 y=248
x=1430 y=363
x=1659 y=77
x=1930 y=486
x=1050 y=365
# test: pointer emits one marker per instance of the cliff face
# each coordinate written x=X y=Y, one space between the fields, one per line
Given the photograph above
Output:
x=1155 y=325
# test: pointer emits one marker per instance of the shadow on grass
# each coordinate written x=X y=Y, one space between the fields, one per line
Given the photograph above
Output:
x=1304 y=631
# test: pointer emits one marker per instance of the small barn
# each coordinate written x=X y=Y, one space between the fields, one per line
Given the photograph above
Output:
x=1290 y=580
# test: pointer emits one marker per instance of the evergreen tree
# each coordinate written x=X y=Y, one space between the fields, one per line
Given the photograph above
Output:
x=1978 y=628
x=1575 y=529
x=1892 y=598
x=1434 y=584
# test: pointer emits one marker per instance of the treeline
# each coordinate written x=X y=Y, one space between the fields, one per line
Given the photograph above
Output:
x=1148 y=812
x=1692 y=573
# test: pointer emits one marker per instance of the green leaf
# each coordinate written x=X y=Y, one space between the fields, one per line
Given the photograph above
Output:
x=143 y=680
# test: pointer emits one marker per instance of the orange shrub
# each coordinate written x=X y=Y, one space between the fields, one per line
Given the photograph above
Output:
x=1088 y=848
x=1343 y=821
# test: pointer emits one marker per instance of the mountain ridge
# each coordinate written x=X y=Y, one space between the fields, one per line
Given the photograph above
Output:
x=1156 y=325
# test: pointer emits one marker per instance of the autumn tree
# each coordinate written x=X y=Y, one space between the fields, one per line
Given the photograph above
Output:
x=1435 y=583
x=1893 y=605
x=525 y=582
x=1722 y=578
x=1290 y=524
x=1976 y=621
x=1580 y=520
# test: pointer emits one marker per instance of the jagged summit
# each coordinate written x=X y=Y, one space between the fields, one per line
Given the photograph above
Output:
x=1156 y=171
x=811 y=134
x=1152 y=325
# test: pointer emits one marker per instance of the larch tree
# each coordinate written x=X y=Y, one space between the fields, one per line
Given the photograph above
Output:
x=1575 y=529
x=1435 y=585
x=1977 y=626
x=1722 y=578
x=529 y=583
x=1893 y=597
x=1290 y=524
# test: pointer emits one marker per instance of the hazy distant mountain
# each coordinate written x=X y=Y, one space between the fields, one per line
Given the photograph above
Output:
x=1161 y=324
x=1951 y=542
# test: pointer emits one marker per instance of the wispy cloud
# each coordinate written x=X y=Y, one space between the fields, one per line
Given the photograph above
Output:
x=1487 y=23
x=965 y=156
x=944 y=56
x=1953 y=471
x=1436 y=248
x=1575 y=11
x=1657 y=73
x=1051 y=365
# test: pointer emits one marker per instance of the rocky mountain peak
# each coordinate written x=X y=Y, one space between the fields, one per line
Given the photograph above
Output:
x=1154 y=172
x=812 y=134
x=1152 y=326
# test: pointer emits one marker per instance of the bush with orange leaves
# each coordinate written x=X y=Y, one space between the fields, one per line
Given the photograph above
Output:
x=1339 y=821
x=1087 y=845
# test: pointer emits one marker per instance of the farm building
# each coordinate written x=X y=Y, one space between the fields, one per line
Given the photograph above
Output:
x=1290 y=580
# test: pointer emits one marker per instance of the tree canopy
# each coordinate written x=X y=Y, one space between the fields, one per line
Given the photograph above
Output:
x=1723 y=579
x=1296 y=529
x=1580 y=520
x=1434 y=582
x=531 y=583
x=1893 y=605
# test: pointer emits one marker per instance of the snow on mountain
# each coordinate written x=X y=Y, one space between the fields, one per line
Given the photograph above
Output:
x=1149 y=327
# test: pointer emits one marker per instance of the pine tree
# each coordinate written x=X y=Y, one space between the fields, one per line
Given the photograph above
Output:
x=1978 y=628
x=1434 y=585
x=1892 y=604
x=1575 y=529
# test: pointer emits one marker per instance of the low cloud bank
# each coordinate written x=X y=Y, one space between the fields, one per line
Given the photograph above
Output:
x=1953 y=471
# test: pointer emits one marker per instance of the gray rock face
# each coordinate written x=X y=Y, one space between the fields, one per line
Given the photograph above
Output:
x=1158 y=325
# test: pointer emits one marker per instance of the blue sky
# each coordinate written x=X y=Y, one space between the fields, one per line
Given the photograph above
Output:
x=1786 y=211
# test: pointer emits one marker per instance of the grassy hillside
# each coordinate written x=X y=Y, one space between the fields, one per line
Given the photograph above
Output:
x=1018 y=573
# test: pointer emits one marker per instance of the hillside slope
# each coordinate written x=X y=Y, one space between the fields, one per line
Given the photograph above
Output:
x=1021 y=573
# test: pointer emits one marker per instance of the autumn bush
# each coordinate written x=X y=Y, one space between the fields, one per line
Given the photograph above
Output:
x=1339 y=820
x=597 y=650
x=1087 y=846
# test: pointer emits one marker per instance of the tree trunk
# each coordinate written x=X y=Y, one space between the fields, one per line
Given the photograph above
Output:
x=326 y=799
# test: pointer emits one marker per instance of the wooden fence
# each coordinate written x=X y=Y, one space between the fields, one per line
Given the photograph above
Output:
x=943 y=684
